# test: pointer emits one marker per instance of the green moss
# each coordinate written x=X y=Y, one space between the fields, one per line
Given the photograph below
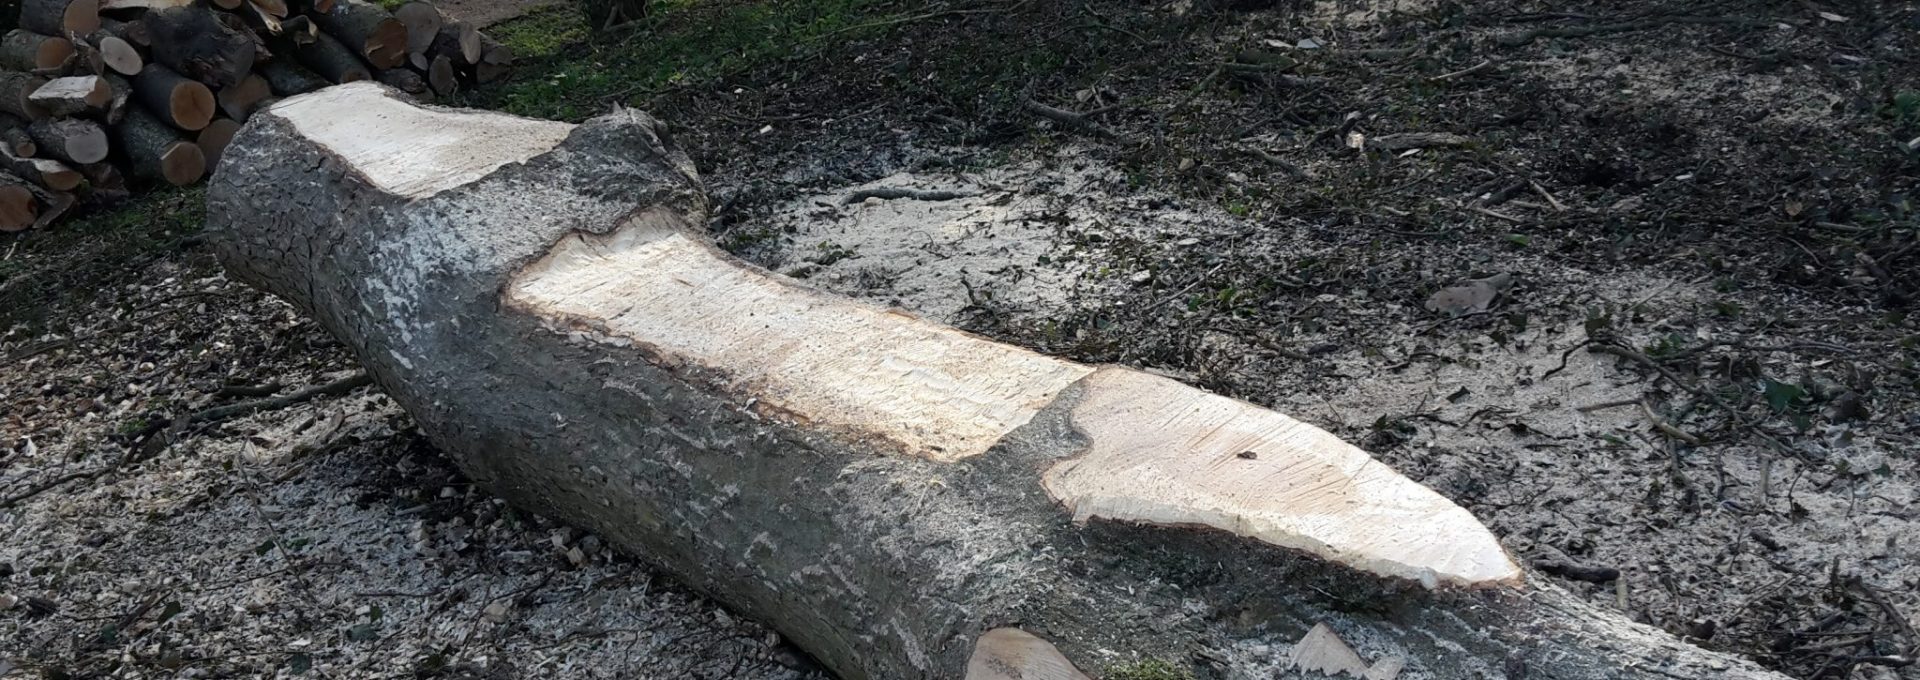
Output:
x=1148 y=669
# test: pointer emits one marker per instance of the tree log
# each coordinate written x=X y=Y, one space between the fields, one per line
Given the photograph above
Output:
x=60 y=17
x=423 y=22
x=156 y=152
x=214 y=138
x=368 y=30
x=442 y=77
x=45 y=172
x=28 y=51
x=215 y=48
x=72 y=140
x=134 y=32
x=237 y=100
x=73 y=95
x=895 y=496
x=122 y=98
x=332 y=60
x=186 y=104
x=459 y=42
x=119 y=55
x=300 y=30
x=105 y=183
x=408 y=81
x=18 y=208
x=16 y=92
x=287 y=78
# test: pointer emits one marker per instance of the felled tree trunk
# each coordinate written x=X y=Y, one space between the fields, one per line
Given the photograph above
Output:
x=903 y=500
x=368 y=30
x=215 y=48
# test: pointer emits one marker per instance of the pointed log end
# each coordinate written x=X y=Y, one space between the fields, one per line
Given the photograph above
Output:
x=1163 y=453
x=1014 y=654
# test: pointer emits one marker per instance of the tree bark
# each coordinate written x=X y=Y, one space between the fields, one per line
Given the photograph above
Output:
x=459 y=42
x=287 y=78
x=45 y=172
x=332 y=60
x=237 y=100
x=214 y=139
x=18 y=209
x=60 y=17
x=28 y=51
x=134 y=32
x=215 y=48
x=119 y=55
x=442 y=77
x=155 y=151
x=408 y=81
x=184 y=103
x=13 y=131
x=16 y=92
x=902 y=500
x=72 y=140
x=368 y=30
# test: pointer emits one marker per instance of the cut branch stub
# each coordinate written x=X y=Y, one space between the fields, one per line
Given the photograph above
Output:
x=901 y=499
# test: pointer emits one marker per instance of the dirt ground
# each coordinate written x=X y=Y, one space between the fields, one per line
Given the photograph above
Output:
x=1632 y=281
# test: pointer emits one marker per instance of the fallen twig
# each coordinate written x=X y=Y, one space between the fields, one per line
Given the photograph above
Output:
x=1521 y=38
x=891 y=193
x=332 y=389
x=1071 y=119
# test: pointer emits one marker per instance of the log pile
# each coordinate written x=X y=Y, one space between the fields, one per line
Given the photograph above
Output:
x=97 y=93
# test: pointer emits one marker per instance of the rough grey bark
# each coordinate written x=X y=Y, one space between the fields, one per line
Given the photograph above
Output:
x=16 y=90
x=332 y=60
x=184 y=103
x=287 y=78
x=882 y=566
x=27 y=51
x=215 y=48
x=368 y=30
x=156 y=152
x=60 y=17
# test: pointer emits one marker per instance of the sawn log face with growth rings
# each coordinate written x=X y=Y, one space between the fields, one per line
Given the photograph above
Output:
x=901 y=499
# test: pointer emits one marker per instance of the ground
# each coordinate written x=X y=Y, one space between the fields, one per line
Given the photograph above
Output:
x=1640 y=299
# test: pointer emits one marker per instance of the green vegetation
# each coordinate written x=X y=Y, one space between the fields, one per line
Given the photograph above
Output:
x=1148 y=669
x=565 y=72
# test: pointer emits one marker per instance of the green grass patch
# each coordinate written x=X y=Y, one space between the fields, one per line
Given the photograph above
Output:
x=566 y=72
x=1148 y=669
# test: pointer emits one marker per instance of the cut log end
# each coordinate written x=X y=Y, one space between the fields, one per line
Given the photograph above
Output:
x=52 y=52
x=81 y=17
x=213 y=140
x=386 y=47
x=191 y=106
x=1014 y=654
x=120 y=55
x=71 y=140
x=18 y=209
x=182 y=163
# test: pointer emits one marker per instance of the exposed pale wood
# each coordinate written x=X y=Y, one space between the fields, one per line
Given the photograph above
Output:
x=72 y=140
x=459 y=42
x=423 y=22
x=60 y=17
x=238 y=100
x=18 y=209
x=183 y=103
x=46 y=172
x=119 y=55
x=215 y=48
x=333 y=61
x=368 y=30
x=16 y=90
x=288 y=78
x=300 y=30
x=156 y=152
x=1014 y=654
x=214 y=138
x=274 y=8
x=227 y=4
x=73 y=95
x=873 y=485
x=24 y=50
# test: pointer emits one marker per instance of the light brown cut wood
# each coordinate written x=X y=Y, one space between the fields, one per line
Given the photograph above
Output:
x=16 y=90
x=60 y=17
x=105 y=183
x=214 y=138
x=18 y=209
x=46 y=172
x=273 y=8
x=423 y=22
x=332 y=60
x=117 y=53
x=459 y=42
x=13 y=131
x=1014 y=654
x=73 y=95
x=155 y=151
x=175 y=99
x=72 y=140
x=24 y=50
x=371 y=32
x=237 y=100
x=228 y=4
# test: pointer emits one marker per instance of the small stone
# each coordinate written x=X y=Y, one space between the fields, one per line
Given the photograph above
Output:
x=1141 y=276
x=496 y=612
x=8 y=600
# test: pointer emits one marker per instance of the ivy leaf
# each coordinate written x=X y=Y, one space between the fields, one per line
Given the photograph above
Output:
x=1781 y=395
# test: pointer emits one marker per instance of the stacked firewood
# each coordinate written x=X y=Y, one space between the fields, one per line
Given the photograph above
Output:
x=96 y=95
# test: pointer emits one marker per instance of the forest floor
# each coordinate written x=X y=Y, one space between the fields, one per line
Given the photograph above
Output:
x=1632 y=281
